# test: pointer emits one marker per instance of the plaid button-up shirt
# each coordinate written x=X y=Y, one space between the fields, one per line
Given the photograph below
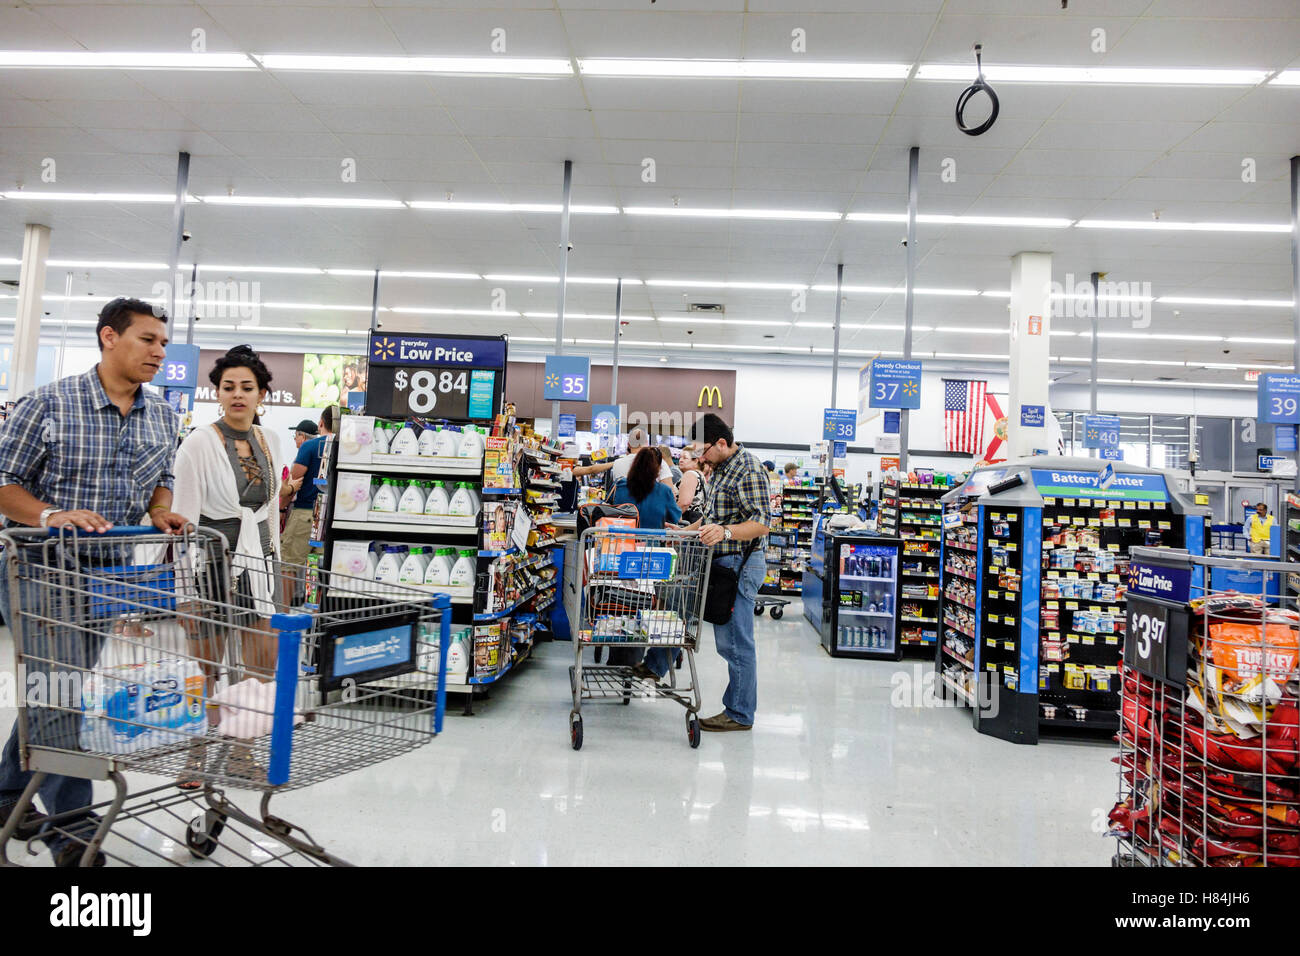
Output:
x=70 y=446
x=738 y=491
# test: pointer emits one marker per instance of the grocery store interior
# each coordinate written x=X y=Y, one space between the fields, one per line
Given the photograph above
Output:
x=1013 y=332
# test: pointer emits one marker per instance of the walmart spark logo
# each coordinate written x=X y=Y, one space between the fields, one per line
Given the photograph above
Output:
x=910 y=389
x=385 y=348
x=552 y=381
x=1092 y=433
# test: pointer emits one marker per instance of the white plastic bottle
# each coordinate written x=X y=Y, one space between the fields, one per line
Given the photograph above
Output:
x=446 y=443
x=412 y=500
x=390 y=565
x=438 y=503
x=372 y=565
x=379 y=439
x=405 y=442
x=386 y=497
x=413 y=568
x=428 y=438
x=471 y=443
x=462 y=572
x=438 y=573
x=465 y=502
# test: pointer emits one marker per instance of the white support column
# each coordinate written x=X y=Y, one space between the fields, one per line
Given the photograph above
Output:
x=1031 y=329
x=27 y=324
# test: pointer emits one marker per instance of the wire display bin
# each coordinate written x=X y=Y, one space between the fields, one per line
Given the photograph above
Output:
x=642 y=589
x=1210 y=727
x=142 y=652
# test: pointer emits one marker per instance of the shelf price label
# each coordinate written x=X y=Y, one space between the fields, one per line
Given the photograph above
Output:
x=1279 y=398
x=895 y=384
x=567 y=378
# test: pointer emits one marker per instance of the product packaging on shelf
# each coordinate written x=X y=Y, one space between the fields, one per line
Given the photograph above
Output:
x=352 y=496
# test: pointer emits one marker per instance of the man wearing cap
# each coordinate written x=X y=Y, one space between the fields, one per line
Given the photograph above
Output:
x=295 y=543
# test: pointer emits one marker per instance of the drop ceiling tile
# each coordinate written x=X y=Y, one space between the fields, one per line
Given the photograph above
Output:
x=1208 y=43
x=858 y=37
x=862 y=97
x=649 y=33
x=617 y=93
x=473 y=32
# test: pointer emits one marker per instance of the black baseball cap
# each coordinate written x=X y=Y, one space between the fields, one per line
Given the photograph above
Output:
x=306 y=426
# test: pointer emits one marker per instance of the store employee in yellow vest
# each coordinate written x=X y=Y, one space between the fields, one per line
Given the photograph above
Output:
x=1259 y=529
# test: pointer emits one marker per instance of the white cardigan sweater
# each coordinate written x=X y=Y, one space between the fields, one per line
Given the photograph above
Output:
x=205 y=485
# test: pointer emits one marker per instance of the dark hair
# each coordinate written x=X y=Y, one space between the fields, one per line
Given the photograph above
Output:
x=327 y=417
x=120 y=313
x=712 y=428
x=241 y=356
x=643 y=474
x=770 y=465
x=790 y=466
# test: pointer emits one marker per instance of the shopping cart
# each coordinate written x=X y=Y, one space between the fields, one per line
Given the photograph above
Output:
x=1210 y=755
x=641 y=588
x=137 y=656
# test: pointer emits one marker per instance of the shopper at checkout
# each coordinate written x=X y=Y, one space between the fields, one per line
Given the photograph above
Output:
x=295 y=541
x=1259 y=530
x=83 y=454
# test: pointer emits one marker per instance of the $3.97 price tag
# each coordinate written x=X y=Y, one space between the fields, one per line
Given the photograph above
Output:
x=424 y=390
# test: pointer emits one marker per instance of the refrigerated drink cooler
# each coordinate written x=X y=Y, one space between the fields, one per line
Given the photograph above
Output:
x=860 y=596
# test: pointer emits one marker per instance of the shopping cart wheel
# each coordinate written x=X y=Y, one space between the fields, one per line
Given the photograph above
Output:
x=758 y=610
x=776 y=612
x=693 y=729
x=627 y=692
x=203 y=832
x=575 y=731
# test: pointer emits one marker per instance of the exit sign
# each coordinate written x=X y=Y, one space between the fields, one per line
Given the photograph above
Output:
x=1252 y=375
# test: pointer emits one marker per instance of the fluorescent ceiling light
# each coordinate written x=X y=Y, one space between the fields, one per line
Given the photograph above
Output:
x=1264 y=366
x=1259 y=341
x=1176 y=384
x=296 y=330
x=973 y=329
x=495 y=65
x=965 y=292
x=335 y=202
x=98 y=264
x=551 y=207
x=886 y=290
x=1104 y=74
x=1286 y=78
x=273 y=270
x=973 y=355
x=675 y=320
x=725 y=284
x=81 y=60
x=574 y=280
x=1199 y=300
x=1087 y=297
x=1162 y=225
x=743 y=69
x=1044 y=222
x=420 y=310
x=686 y=212
x=583 y=315
x=1152 y=335
x=318 y=306
x=93 y=197
x=997 y=293
x=384 y=273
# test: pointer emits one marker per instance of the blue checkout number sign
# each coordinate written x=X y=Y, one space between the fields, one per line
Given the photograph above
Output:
x=567 y=378
x=840 y=424
x=1100 y=431
x=1279 y=398
x=895 y=384
x=180 y=368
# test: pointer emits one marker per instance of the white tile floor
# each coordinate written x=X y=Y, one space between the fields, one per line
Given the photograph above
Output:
x=832 y=773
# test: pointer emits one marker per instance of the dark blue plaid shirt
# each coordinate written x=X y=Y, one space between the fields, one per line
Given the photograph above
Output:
x=69 y=446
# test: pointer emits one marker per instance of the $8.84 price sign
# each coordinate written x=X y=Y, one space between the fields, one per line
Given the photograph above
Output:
x=421 y=391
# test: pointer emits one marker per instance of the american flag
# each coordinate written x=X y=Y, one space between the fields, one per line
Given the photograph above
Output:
x=963 y=415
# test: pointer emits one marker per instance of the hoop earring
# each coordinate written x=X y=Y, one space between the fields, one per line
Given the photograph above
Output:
x=261 y=410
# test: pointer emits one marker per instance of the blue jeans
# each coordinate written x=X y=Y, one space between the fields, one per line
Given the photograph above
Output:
x=735 y=639
x=58 y=794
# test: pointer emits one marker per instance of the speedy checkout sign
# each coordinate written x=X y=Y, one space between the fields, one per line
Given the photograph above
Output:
x=1083 y=484
x=454 y=377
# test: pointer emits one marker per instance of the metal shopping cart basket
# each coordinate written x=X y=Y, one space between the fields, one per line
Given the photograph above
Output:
x=138 y=653
x=641 y=588
x=1209 y=742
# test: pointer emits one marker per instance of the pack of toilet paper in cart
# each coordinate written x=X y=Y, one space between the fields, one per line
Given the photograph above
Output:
x=127 y=708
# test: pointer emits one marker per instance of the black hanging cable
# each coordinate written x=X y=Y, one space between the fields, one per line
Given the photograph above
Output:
x=968 y=93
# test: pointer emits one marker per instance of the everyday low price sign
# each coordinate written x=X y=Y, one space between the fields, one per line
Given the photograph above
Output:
x=895 y=383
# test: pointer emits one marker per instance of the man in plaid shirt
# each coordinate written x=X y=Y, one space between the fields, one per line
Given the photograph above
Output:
x=84 y=453
x=735 y=520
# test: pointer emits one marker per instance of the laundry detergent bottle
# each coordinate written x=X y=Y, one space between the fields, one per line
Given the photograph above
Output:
x=446 y=443
x=462 y=572
x=438 y=573
x=412 y=500
x=405 y=442
x=471 y=443
x=438 y=502
x=413 y=568
x=465 y=502
x=386 y=497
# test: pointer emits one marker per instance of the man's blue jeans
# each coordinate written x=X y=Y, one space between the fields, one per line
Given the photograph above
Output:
x=58 y=794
